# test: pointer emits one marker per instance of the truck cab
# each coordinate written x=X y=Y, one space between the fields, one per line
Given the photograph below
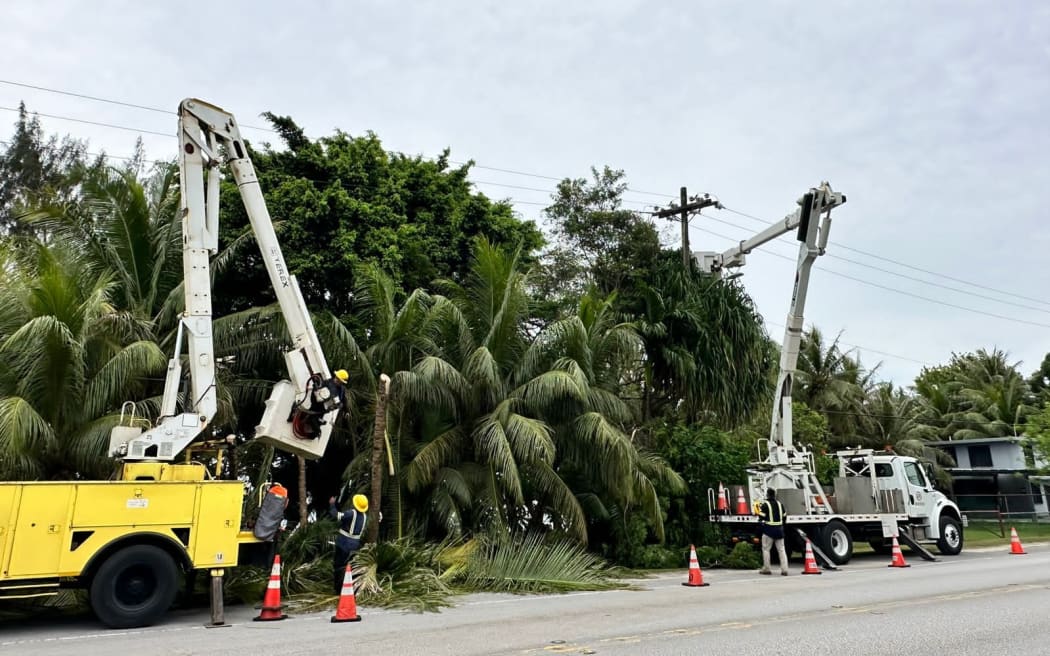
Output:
x=900 y=486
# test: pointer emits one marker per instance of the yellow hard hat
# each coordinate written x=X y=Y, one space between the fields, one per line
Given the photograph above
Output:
x=342 y=375
x=361 y=503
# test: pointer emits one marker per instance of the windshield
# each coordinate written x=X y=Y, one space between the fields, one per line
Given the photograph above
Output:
x=914 y=474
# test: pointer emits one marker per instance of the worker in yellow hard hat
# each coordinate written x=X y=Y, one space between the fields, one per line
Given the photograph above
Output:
x=348 y=539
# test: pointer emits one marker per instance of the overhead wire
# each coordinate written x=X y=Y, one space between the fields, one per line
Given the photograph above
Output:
x=535 y=203
x=902 y=275
x=893 y=289
x=903 y=264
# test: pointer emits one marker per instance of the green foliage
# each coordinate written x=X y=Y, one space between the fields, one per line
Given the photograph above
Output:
x=530 y=564
x=403 y=574
x=345 y=202
x=743 y=556
x=1037 y=430
x=704 y=456
x=598 y=243
x=35 y=170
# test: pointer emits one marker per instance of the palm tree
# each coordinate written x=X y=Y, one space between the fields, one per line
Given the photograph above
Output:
x=506 y=424
x=595 y=451
x=68 y=360
x=834 y=384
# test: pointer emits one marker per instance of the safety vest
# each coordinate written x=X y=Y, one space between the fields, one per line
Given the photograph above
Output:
x=773 y=513
x=352 y=524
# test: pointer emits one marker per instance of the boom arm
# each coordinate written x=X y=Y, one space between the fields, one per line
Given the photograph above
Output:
x=300 y=411
x=813 y=221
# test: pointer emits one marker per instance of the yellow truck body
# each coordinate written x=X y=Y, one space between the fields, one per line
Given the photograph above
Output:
x=62 y=533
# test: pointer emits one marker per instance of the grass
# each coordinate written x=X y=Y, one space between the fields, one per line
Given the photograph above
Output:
x=986 y=534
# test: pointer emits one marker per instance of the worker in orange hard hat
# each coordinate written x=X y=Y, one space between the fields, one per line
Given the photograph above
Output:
x=348 y=540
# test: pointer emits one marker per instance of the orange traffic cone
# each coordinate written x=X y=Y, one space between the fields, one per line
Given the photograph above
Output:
x=723 y=500
x=696 y=577
x=811 y=562
x=271 y=606
x=346 y=611
x=1015 y=543
x=898 y=557
x=741 y=503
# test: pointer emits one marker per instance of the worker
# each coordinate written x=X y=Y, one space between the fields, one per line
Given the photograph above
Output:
x=339 y=379
x=771 y=519
x=348 y=540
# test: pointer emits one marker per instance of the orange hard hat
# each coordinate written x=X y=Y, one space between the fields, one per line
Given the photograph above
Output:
x=279 y=490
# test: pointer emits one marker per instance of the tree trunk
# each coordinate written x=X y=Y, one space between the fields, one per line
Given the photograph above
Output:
x=378 y=440
x=303 y=509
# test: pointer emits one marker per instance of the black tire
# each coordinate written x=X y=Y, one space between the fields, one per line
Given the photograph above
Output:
x=880 y=546
x=837 y=542
x=951 y=541
x=134 y=587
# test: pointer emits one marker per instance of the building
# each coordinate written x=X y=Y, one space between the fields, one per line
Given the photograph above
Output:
x=996 y=475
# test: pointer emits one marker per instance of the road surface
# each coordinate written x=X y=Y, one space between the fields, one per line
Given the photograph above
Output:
x=977 y=604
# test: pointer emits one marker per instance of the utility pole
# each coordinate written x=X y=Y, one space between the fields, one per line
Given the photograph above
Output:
x=684 y=209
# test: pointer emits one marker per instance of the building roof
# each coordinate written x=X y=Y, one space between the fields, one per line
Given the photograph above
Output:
x=979 y=440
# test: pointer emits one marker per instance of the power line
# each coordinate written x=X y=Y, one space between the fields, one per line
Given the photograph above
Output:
x=906 y=276
x=98 y=123
x=905 y=264
x=110 y=101
x=863 y=348
x=547 y=177
x=895 y=290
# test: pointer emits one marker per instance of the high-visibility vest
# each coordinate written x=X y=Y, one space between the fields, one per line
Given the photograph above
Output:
x=773 y=513
x=352 y=524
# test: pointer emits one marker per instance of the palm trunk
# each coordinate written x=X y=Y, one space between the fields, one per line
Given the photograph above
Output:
x=303 y=510
x=378 y=439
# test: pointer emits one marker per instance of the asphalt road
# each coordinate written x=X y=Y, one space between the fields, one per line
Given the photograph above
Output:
x=978 y=604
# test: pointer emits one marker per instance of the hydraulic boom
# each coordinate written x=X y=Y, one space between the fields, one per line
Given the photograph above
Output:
x=300 y=411
x=812 y=220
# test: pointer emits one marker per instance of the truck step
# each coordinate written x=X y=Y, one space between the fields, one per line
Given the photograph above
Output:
x=825 y=562
x=923 y=552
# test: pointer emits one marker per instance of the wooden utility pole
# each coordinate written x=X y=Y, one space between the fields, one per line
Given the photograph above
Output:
x=684 y=210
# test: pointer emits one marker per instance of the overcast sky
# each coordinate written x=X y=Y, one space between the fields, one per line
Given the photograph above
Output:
x=930 y=116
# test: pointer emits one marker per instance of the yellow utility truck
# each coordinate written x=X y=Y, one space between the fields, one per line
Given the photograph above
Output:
x=128 y=541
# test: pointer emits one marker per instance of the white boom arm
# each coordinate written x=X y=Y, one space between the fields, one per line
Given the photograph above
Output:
x=813 y=221
x=300 y=412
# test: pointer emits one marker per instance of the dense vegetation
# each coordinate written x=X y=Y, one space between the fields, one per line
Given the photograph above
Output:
x=575 y=384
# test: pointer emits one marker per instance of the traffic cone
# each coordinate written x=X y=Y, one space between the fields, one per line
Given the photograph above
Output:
x=723 y=500
x=741 y=503
x=271 y=606
x=1015 y=543
x=811 y=562
x=898 y=557
x=696 y=577
x=346 y=611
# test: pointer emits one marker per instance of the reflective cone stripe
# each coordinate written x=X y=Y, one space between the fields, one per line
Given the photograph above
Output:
x=811 y=562
x=271 y=606
x=696 y=577
x=346 y=611
x=1015 y=543
x=741 y=503
x=898 y=557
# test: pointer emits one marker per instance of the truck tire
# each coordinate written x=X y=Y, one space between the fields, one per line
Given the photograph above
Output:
x=837 y=542
x=951 y=541
x=134 y=587
x=880 y=546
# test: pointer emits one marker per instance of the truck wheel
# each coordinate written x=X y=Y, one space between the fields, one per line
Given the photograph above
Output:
x=134 y=587
x=951 y=541
x=837 y=542
x=880 y=546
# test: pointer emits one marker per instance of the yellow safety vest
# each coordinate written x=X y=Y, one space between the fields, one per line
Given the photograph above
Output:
x=772 y=513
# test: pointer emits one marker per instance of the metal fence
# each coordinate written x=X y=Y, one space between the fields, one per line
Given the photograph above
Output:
x=1003 y=508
